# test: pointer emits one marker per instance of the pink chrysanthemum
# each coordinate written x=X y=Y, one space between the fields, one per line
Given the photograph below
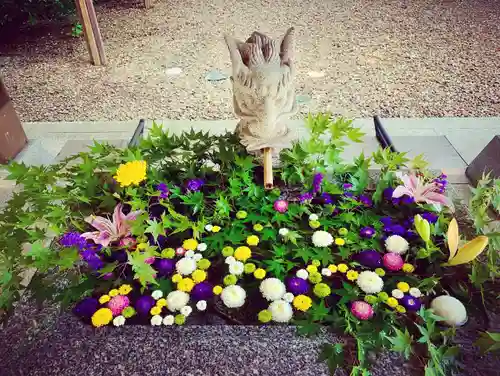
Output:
x=118 y=303
x=280 y=206
x=362 y=310
x=393 y=261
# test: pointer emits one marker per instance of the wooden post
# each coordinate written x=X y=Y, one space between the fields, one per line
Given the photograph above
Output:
x=91 y=30
x=148 y=4
x=268 y=168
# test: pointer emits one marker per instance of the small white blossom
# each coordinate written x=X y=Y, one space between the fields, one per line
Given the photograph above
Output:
x=201 y=305
x=209 y=227
x=397 y=293
x=186 y=310
x=230 y=260
x=302 y=273
x=202 y=247
x=396 y=244
x=185 y=266
x=169 y=320
x=272 y=289
x=176 y=300
x=288 y=297
x=313 y=217
x=216 y=167
x=283 y=231
x=322 y=239
x=370 y=282
x=180 y=251
x=236 y=268
x=189 y=254
x=197 y=256
x=233 y=296
x=416 y=293
x=326 y=272
x=156 y=320
x=157 y=294
x=119 y=320
x=281 y=311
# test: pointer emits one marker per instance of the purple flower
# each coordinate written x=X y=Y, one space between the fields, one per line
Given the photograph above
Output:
x=407 y=200
x=396 y=230
x=281 y=206
x=144 y=304
x=308 y=196
x=386 y=221
x=164 y=266
x=163 y=189
x=72 y=239
x=202 y=291
x=297 y=286
x=410 y=234
x=327 y=197
x=86 y=307
x=194 y=185
x=317 y=180
x=369 y=258
x=431 y=217
x=410 y=303
x=347 y=186
x=366 y=201
x=396 y=201
x=388 y=193
x=92 y=259
x=367 y=232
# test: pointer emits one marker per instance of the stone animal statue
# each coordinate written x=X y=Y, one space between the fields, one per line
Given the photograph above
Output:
x=263 y=90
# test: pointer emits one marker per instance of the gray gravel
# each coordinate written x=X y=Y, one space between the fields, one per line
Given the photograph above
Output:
x=396 y=58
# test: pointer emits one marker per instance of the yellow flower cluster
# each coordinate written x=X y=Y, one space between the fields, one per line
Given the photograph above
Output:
x=253 y=240
x=199 y=275
x=131 y=173
x=243 y=253
x=185 y=284
x=125 y=289
x=190 y=244
x=102 y=317
x=259 y=273
x=302 y=302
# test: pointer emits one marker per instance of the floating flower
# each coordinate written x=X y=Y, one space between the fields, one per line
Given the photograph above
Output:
x=164 y=266
x=113 y=293
x=217 y=290
x=230 y=260
x=370 y=299
x=313 y=217
x=322 y=239
x=124 y=289
x=119 y=321
x=189 y=254
x=280 y=206
x=297 y=286
x=312 y=268
x=393 y=261
x=370 y=282
x=249 y=268
x=156 y=320
x=236 y=268
x=104 y=299
x=176 y=278
x=343 y=268
x=403 y=286
x=317 y=180
x=322 y=290
x=180 y=251
x=265 y=316
x=157 y=294
x=415 y=292
x=118 y=303
x=333 y=268
x=102 y=317
x=326 y=272
x=199 y=275
x=367 y=232
x=413 y=187
x=243 y=253
x=241 y=214
x=380 y=272
x=176 y=300
x=383 y=296
x=305 y=197
x=185 y=266
x=227 y=251
x=362 y=310
x=202 y=291
x=339 y=241
x=194 y=185
x=352 y=275
x=315 y=277
x=259 y=273
x=258 y=227
x=408 y=268
x=302 y=273
x=202 y=247
x=169 y=320
x=190 y=244
x=411 y=303
x=230 y=279
x=283 y=231
x=216 y=229
x=288 y=297
x=450 y=309
x=314 y=224
x=131 y=173
x=397 y=293
x=281 y=311
x=203 y=264
x=128 y=312
x=86 y=307
x=392 y=302
x=180 y=319
x=369 y=258
x=110 y=230
x=396 y=244
x=186 y=310
x=208 y=227
x=302 y=302
x=400 y=309
x=201 y=305
x=272 y=289
x=185 y=284
x=233 y=296
x=162 y=302
x=155 y=311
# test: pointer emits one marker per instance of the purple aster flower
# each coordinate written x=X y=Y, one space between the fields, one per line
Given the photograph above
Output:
x=194 y=185
x=317 y=180
x=349 y=194
x=86 y=307
x=347 y=186
x=411 y=303
x=163 y=189
x=164 y=266
x=72 y=239
x=336 y=211
x=202 y=291
x=409 y=234
x=367 y=232
x=386 y=221
x=369 y=258
x=327 y=197
x=407 y=200
x=431 y=217
x=388 y=193
x=366 y=201
x=308 y=196
x=144 y=304
x=92 y=259
x=397 y=230
x=297 y=286
x=396 y=201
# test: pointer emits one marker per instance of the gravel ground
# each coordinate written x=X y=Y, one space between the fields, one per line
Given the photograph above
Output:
x=396 y=58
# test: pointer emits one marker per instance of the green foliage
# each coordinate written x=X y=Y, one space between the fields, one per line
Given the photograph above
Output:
x=16 y=12
x=333 y=355
x=488 y=342
x=76 y=30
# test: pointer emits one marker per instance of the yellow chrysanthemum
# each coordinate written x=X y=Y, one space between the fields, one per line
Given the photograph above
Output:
x=403 y=286
x=215 y=228
x=104 y=299
x=125 y=289
x=343 y=268
x=101 y=317
x=242 y=253
x=400 y=309
x=162 y=302
x=113 y=293
x=408 y=268
x=339 y=241
x=131 y=173
x=258 y=227
x=380 y=272
x=312 y=268
x=316 y=263
x=155 y=310
x=259 y=273
x=186 y=285
x=199 y=275
x=190 y=244
x=392 y=302
x=352 y=275
x=253 y=240
x=217 y=290
x=332 y=268
x=176 y=278
x=302 y=302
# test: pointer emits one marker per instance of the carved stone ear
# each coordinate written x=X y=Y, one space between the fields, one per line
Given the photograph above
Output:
x=234 y=53
x=287 y=47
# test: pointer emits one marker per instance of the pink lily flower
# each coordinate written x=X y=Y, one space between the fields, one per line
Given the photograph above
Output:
x=413 y=187
x=110 y=231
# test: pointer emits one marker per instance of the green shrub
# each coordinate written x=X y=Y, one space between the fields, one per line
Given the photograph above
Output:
x=18 y=12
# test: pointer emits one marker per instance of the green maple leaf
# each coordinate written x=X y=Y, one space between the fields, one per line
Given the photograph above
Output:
x=307 y=328
x=333 y=355
x=40 y=255
x=138 y=226
x=108 y=268
x=67 y=258
x=304 y=254
x=276 y=267
x=142 y=271
x=155 y=228
x=319 y=311
x=268 y=233
x=401 y=342
x=255 y=218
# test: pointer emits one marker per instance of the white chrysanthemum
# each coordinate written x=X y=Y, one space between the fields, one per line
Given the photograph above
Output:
x=288 y=297
x=119 y=321
x=283 y=231
x=176 y=300
x=281 y=311
x=313 y=217
x=397 y=293
x=370 y=282
x=322 y=239
x=230 y=260
x=396 y=244
x=202 y=247
x=272 y=289
x=189 y=254
x=209 y=227
x=157 y=294
x=185 y=266
x=451 y=309
x=233 y=296
x=236 y=268
x=416 y=293
x=216 y=167
x=201 y=305
x=326 y=272
x=156 y=320
x=186 y=310
x=169 y=320
x=197 y=256
x=302 y=273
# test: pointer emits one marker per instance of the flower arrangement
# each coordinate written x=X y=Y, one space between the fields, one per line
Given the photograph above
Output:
x=162 y=239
